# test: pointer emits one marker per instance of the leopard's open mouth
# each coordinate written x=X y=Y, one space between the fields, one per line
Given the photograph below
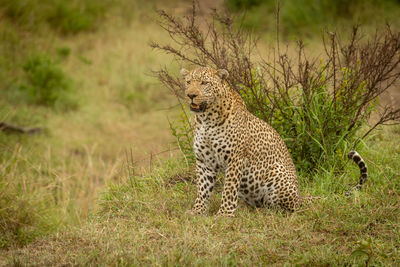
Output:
x=198 y=108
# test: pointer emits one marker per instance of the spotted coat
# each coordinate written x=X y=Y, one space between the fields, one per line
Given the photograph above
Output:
x=256 y=162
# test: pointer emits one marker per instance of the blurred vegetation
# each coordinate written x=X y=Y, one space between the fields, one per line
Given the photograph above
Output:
x=47 y=84
x=79 y=72
x=32 y=67
x=68 y=17
x=307 y=18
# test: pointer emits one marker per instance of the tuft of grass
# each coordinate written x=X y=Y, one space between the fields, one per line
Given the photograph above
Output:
x=26 y=212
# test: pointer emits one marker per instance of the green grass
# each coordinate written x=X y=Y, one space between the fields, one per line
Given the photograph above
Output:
x=143 y=220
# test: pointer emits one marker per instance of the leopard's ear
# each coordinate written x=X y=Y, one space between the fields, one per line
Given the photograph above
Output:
x=223 y=74
x=184 y=72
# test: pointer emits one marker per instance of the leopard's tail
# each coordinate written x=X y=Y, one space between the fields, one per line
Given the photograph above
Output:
x=363 y=170
x=363 y=178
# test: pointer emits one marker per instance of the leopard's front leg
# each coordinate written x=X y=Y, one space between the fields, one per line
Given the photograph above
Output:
x=231 y=187
x=206 y=177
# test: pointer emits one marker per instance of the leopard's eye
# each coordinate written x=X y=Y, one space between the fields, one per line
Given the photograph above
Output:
x=203 y=83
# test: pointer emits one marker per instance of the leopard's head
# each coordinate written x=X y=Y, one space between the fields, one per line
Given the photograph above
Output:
x=204 y=86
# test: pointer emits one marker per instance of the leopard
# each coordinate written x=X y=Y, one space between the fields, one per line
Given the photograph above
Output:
x=228 y=139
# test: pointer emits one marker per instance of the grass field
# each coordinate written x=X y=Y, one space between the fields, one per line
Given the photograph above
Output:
x=52 y=179
x=143 y=220
x=90 y=189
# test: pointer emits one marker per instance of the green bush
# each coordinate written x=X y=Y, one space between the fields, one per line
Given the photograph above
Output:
x=47 y=84
x=314 y=123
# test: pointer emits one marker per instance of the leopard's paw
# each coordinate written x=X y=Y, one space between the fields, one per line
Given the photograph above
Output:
x=225 y=213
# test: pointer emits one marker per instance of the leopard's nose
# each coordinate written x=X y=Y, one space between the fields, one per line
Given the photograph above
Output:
x=191 y=96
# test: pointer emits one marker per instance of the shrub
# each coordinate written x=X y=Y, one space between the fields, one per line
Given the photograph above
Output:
x=318 y=106
x=47 y=84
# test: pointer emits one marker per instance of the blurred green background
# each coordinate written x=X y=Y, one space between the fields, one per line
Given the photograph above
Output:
x=308 y=18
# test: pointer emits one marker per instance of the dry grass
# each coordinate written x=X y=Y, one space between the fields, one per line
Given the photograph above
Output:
x=121 y=109
x=143 y=222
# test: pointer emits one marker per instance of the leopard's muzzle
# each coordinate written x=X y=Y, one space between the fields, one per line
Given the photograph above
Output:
x=198 y=108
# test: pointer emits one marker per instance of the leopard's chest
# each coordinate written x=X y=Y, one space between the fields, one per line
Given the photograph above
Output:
x=213 y=146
